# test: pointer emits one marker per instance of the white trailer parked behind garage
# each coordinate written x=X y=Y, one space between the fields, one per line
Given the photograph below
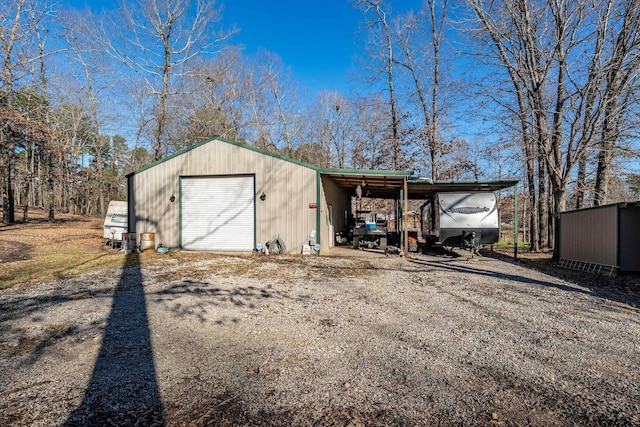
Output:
x=116 y=221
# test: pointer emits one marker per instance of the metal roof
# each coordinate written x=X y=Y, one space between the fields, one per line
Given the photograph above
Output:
x=632 y=204
x=228 y=141
x=378 y=184
x=383 y=184
x=422 y=188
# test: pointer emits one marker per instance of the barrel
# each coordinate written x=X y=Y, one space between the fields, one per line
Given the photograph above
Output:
x=147 y=241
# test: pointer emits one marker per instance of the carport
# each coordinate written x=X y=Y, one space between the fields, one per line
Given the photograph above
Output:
x=394 y=185
x=339 y=186
x=426 y=189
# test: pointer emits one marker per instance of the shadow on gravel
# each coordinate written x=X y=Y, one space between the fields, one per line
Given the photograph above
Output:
x=624 y=287
x=123 y=389
x=600 y=293
x=20 y=307
x=513 y=277
x=208 y=296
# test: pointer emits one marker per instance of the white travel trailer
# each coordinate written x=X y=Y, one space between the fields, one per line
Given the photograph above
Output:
x=116 y=221
x=468 y=220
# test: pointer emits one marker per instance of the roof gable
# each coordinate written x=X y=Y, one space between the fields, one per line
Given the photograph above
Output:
x=227 y=141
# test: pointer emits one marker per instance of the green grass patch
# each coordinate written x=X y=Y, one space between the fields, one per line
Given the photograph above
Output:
x=58 y=264
x=501 y=244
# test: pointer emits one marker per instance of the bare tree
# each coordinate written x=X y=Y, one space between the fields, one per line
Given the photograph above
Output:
x=541 y=45
x=19 y=21
x=382 y=49
x=260 y=115
x=282 y=95
x=161 y=37
x=274 y=108
x=95 y=76
x=621 y=73
x=332 y=120
x=370 y=147
x=425 y=70
x=220 y=95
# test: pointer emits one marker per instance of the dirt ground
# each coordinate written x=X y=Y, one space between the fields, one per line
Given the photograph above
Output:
x=200 y=339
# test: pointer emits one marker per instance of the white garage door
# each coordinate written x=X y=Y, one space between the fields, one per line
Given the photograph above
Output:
x=218 y=213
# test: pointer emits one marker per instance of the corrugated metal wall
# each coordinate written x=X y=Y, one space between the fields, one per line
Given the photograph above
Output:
x=590 y=235
x=341 y=202
x=289 y=188
x=630 y=238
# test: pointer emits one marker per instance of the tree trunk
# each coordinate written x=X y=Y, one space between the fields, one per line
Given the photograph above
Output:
x=623 y=66
x=543 y=205
x=551 y=218
x=8 y=213
x=533 y=200
x=559 y=201
x=50 y=188
x=392 y=101
x=581 y=183
x=605 y=156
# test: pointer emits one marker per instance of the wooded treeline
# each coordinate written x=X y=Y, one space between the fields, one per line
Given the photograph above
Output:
x=544 y=91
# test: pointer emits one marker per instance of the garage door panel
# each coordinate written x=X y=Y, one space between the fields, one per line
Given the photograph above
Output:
x=218 y=213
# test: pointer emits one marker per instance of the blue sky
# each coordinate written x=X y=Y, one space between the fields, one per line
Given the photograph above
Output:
x=316 y=40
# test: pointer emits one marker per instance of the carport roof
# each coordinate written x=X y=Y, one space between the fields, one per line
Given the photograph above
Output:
x=422 y=188
x=387 y=184
x=379 y=184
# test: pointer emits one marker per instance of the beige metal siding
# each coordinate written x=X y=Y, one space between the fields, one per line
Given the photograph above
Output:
x=289 y=188
x=590 y=235
x=629 y=239
x=333 y=195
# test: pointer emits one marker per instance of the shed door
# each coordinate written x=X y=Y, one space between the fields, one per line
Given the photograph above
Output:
x=218 y=213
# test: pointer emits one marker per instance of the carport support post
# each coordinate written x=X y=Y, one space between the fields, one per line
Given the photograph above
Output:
x=318 y=208
x=515 y=221
x=405 y=208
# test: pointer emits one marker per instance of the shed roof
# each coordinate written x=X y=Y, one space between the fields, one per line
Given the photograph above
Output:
x=619 y=205
x=228 y=141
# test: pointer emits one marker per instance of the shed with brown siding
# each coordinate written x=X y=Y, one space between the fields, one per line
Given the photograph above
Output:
x=605 y=235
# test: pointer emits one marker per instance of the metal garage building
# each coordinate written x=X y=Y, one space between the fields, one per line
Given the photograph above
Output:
x=221 y=195
x=603 y=238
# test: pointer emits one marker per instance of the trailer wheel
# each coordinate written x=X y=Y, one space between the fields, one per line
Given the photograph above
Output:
x=356 y=242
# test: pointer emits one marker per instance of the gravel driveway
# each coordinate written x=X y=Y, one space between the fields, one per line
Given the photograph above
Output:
x=318 y=341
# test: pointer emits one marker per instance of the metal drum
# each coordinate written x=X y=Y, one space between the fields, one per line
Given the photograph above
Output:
x=147 y=241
